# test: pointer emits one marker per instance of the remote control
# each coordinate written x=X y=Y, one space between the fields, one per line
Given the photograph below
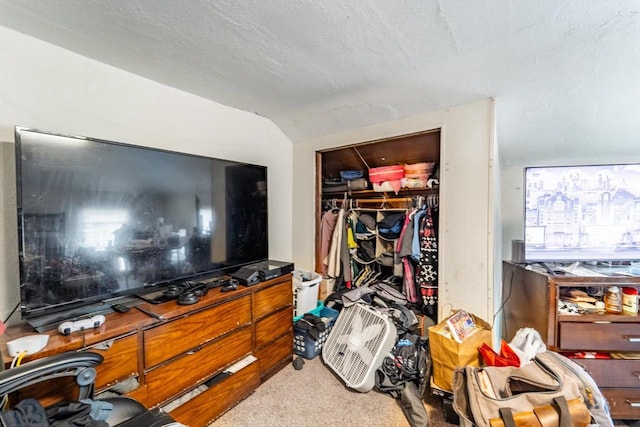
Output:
x=120 y=308
x=67 y=328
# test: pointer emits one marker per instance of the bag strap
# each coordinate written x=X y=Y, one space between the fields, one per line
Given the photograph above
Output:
x=555 y=415
x=565 y=415
x=507 y=417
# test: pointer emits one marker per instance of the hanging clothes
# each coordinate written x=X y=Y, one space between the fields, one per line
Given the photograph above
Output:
x=403 y=251
x=333 y=262
x=416 y=254
x=327 y=225
x=345 y=257
x=427 y=270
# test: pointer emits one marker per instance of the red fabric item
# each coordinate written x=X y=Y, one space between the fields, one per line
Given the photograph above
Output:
x=3 y=327
x=586 y=355
x=386 y=173
x=507 y=356
x=507 y=352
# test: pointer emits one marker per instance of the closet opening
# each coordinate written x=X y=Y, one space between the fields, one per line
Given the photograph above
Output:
x=377 y=217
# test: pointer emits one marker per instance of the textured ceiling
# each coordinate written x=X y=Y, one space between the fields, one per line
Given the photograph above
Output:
x=565 y=74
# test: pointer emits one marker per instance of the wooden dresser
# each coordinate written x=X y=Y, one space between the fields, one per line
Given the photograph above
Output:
x=179 y=363
x=530 y=299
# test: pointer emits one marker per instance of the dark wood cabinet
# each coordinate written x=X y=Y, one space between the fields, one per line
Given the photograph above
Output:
x=530 y=299
x=176 y=363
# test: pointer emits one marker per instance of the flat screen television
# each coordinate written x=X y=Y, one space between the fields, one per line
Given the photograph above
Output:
x=582 y=213
x=100 y=219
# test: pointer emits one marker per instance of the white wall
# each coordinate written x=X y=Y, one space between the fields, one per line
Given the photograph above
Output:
x=48 y=88
x=468 y=238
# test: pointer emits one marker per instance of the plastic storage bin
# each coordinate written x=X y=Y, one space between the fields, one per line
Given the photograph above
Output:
x=306 y=286
x=304 y=345
x=315 y=311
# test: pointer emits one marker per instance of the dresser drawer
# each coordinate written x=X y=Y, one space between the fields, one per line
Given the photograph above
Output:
x=173 y=338
x=120 y=360
x=275 y=355
x=182 y=373
x=273 y=298
x=213 y=402
x=623 y=402
x=271 y=327
x=612 y=372
x=599 y=336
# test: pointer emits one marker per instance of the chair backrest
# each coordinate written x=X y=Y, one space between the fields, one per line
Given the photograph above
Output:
x=80 y=365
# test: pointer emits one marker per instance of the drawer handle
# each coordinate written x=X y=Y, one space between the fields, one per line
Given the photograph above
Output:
x=636 y=373
x=106 y=345
x=632 y=338
x=633 y=404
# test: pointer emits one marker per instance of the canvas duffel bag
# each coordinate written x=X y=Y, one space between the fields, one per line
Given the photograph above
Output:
x=480 y=393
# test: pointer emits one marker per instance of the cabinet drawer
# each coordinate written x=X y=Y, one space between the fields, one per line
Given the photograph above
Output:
x=173 y=338
x=275 y=355
x=623 y=402
x=182 y=373
x=273 y=326
x=214 y=401
x=271 y=299
x=599 y=336
x=120 y=361
x=613 y=372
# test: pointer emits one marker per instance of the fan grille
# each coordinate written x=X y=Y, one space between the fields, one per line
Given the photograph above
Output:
x=358 y=342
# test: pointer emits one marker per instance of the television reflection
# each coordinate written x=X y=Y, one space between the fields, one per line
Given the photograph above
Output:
x=98 y=218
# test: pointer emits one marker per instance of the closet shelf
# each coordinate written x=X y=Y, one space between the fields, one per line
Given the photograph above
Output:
x=370 y=193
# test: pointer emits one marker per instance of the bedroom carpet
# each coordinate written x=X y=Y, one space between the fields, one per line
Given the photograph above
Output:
x=314 y=396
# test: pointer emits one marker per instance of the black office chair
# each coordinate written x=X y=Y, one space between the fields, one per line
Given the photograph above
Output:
x=81 y=365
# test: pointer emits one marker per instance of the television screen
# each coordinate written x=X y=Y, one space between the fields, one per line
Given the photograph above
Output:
x=98 y=219
x=582 y=213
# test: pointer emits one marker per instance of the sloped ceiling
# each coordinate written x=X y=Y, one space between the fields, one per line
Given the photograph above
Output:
x=565 y=74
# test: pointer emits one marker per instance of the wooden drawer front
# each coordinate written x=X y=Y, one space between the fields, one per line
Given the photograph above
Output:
x=613 y=372
x=213 y=402
x=171 y=339
x=120 y=362
x=623 y=402
x=599 y=336
x=270 y=299
x=178 y=375
x=273 y=326
x=278 y=352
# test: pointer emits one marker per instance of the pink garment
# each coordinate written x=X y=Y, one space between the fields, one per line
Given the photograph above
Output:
x=409 y=285
x=408 y=282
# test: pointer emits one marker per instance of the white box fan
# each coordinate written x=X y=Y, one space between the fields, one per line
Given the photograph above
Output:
x=360 y=339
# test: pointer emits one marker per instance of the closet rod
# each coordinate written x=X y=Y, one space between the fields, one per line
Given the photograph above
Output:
x=380 y=199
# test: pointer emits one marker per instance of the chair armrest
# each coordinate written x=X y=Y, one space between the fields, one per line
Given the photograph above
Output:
x=70 y=364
